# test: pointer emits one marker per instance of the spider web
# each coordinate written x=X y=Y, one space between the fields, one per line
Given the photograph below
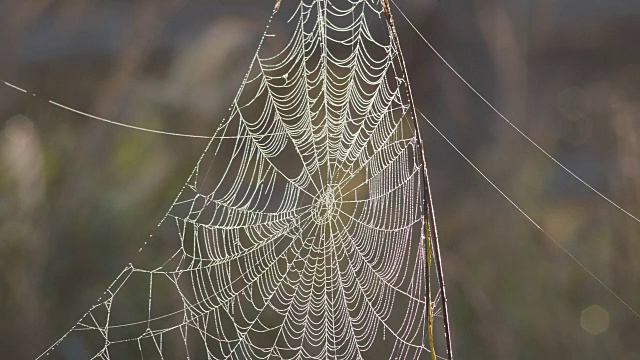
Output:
x=299 y=233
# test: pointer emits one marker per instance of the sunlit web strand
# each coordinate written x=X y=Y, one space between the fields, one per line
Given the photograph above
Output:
x=530 y=219
x=512 y=125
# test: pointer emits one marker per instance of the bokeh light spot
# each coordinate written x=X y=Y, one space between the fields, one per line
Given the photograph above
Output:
x=19 y=129
x=595 y=319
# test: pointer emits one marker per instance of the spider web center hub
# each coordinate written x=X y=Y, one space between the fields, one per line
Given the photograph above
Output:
x=326 y=204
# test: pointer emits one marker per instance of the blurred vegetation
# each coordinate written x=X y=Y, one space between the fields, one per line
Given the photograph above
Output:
x=79 y=197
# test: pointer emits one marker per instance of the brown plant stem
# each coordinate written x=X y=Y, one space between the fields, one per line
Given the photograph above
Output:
x=431 y=232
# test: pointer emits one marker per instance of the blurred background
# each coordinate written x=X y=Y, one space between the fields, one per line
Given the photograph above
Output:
x=78 y=197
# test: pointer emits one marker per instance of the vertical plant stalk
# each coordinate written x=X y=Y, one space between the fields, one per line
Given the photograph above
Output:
x=431 y=232
x=427 y=245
